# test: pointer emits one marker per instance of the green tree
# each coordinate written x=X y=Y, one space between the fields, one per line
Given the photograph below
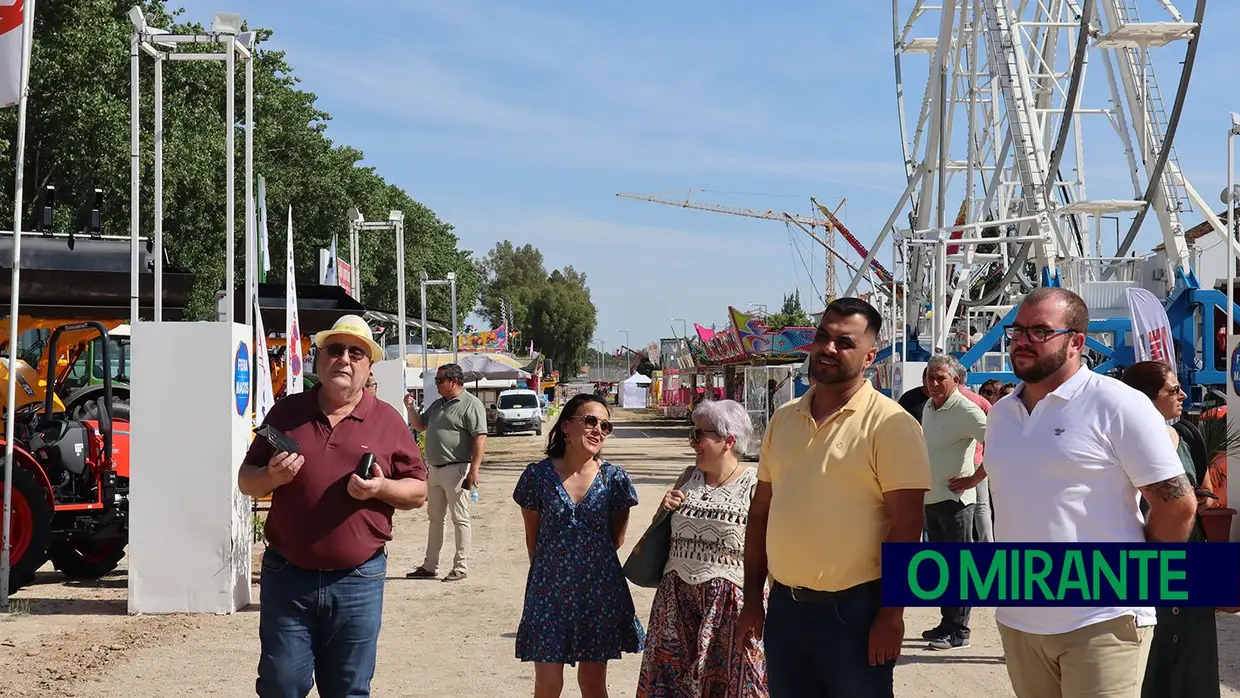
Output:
x=791 y=313
x=78 y=139
x=554 y=310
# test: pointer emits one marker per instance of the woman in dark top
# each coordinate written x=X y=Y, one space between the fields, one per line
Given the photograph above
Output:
x=1183 y=658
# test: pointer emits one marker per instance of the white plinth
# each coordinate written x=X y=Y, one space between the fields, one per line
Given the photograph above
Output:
x=390 y=375
x=190 y=536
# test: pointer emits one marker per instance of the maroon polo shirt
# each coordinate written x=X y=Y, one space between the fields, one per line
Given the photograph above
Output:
x=313 y=520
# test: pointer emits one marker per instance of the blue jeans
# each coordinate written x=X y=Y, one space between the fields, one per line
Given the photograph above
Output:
x=318 y=627
x=820 y=648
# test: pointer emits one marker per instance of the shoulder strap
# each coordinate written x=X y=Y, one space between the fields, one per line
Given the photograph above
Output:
x=684 y=477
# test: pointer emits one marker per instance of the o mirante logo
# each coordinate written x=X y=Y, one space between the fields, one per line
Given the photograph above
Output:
x=1061 y=574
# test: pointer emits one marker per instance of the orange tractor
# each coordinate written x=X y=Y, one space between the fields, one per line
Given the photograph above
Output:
x=70 y=478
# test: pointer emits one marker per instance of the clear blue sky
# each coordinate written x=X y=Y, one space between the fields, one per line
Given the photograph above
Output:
x=523 y=120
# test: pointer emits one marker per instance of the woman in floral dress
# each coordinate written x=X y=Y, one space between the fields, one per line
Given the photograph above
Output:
x=577 y=602
x=692 y=650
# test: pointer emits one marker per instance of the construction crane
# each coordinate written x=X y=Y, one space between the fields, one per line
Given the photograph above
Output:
x=830 y=225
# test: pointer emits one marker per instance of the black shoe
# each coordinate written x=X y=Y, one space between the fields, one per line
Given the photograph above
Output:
x=953 y=641
x=934 y=633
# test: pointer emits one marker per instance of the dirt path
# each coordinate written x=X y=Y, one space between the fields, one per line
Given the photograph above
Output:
x=442 y=640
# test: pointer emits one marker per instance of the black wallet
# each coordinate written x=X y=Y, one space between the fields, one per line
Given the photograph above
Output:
x=278 y=439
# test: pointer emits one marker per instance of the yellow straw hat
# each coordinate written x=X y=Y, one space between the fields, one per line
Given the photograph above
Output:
x=351 y=326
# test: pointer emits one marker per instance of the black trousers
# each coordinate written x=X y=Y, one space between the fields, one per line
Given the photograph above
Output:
x=949 y=521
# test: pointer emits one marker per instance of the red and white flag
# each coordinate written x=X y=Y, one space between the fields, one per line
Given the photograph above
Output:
x=12 y=43
x=1151 y=329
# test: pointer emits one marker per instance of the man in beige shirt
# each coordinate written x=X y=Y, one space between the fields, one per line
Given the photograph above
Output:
x=953 y=426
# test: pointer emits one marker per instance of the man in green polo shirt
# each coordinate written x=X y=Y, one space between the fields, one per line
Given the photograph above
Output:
x=455 y=426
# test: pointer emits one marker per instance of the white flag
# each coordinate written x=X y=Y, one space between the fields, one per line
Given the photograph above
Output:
x=333 y=278
x=1151 y=329
x=292 y=330
x=12 y=43
x=264 y=249
x=262 y=369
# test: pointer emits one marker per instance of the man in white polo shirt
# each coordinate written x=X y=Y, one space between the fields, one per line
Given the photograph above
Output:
x=1069 y=454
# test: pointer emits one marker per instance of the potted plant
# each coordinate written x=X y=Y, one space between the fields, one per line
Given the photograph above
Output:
x=1220 y=439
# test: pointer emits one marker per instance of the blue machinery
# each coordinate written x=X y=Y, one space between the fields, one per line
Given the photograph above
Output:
x=1193 y=312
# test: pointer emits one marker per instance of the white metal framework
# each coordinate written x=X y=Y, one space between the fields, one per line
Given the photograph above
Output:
x=996 y=150
x=161 y=45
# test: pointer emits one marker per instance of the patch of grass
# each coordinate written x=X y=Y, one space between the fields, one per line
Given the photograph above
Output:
x=18 y=608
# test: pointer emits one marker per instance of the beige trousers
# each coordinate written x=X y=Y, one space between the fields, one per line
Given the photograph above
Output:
x=445 y=494
x=1103 y=660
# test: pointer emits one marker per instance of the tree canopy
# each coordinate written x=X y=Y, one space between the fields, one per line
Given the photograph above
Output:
x=554 y=310
x=77 y=140
x=791 y=313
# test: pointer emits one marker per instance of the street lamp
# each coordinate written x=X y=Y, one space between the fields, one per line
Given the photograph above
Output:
x=449 y=280
x=602 y=359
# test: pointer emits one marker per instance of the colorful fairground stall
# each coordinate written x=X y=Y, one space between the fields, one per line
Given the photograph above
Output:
x=747 y=361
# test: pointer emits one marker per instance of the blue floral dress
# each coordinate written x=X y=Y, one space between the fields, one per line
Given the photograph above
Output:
x=578 y=607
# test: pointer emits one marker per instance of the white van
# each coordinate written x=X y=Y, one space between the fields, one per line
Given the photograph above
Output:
x=518 y=410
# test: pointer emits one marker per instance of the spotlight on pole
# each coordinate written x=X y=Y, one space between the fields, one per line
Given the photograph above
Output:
x=226 y=23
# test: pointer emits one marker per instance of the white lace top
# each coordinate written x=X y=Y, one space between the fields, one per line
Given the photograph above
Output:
x=708 y=529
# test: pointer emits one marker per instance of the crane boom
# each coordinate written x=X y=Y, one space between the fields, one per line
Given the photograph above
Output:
x=747 y=212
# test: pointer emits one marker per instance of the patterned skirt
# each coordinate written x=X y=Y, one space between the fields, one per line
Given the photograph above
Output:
x=690 y=651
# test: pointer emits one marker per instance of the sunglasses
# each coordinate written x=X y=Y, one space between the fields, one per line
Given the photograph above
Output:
x=589 y=421
x=695 y=436
x=337 y=350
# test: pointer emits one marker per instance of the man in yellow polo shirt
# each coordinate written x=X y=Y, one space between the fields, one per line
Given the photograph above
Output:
x=843 y=469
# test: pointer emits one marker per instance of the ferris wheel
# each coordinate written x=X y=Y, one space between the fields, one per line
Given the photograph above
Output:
x=1002 y=104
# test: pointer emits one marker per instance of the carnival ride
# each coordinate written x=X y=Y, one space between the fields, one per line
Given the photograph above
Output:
x=1007 y=104
x=996 y=198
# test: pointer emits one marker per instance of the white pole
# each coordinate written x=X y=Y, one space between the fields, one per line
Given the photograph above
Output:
x=400 y=300
x=19 y=182
x=159 y=189
x=251 y=245
x=456 y=353
x=425 y=359
x=134 y=196
x=1231 y=231
x=230 y=65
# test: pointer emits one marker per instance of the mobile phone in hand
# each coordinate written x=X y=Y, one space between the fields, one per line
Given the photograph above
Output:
x=279 y=441
x=364 y=466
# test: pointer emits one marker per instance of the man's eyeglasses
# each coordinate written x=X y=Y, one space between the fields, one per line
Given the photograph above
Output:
x=337 y=350
x=1034 y=334
x=440 y=380
x=589 y=421
x=695 y=436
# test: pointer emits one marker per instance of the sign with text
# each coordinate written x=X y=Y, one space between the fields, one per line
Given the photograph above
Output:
x=1061 y=574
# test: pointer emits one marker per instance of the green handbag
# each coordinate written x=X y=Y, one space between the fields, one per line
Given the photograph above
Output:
x=644 y=566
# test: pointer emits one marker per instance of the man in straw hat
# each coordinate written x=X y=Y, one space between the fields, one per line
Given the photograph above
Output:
x=326 y=559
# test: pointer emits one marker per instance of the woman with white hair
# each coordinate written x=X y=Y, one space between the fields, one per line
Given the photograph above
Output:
x=691 y=647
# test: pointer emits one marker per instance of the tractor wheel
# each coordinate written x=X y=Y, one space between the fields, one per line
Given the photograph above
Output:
x=30 y=529
x=87 y=558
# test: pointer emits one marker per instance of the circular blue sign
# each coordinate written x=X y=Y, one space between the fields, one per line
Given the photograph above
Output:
x=241 y=377
x=1235 y=369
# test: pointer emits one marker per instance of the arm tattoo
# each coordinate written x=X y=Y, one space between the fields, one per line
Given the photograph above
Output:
x=1168 y=490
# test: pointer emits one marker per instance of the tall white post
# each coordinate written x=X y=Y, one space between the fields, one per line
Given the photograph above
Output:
x=1231 y=230
x=159 y=189
x=230 y=205
x=251 y=235
x=18 y=186
x=425 y=358
x=402 y=329
x=134 y=174
x=456 y=348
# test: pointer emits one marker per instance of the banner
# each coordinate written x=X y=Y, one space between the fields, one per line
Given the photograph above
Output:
x=264 y=249
x=487 y=341
x=1151 y=330
x=265 y=400
x=292 y=328
x=11 y=44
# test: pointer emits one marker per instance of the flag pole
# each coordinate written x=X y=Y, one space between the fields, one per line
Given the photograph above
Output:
x=19 y=182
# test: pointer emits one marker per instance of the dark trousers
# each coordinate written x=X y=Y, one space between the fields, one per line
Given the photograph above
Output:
x=949 y=521
x=318 y=627
x=818 y=643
